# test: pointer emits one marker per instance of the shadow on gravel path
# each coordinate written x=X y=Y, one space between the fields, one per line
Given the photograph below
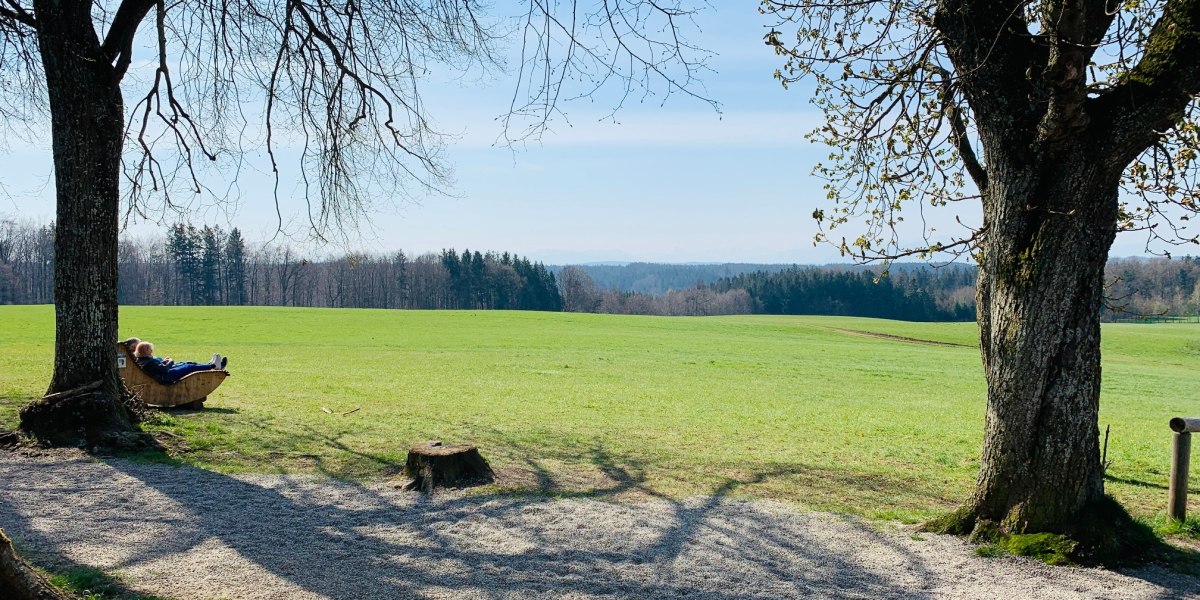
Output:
x=184 y=532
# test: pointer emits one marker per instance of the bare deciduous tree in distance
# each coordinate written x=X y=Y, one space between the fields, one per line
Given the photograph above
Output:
x=339 y=81
x=579 y=292
x=1072 y=120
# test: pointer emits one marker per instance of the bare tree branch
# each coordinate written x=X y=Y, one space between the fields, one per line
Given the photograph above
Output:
x=962 y=141
x=11 y=9
x=633 y=46
x=1151 y=98
x=118 y=44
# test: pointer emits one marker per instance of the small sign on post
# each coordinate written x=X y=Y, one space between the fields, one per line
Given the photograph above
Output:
x=1180 y=459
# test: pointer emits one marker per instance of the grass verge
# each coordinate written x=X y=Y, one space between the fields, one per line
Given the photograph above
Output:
x=93 y=584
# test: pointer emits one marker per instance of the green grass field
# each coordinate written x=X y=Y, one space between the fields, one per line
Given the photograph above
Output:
x=799 y=409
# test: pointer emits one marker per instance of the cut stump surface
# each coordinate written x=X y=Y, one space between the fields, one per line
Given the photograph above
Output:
x=431 y=464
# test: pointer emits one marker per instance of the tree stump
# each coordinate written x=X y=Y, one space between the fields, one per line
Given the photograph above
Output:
x=430 y=465
x=18 y=581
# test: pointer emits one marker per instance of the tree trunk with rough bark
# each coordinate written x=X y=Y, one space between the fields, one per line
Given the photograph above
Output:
x=18 y=581
x=1049 y=181
x=1039 y=294
x=87 y=123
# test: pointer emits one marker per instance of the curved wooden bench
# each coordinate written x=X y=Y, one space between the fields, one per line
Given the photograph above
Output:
x=189 y=392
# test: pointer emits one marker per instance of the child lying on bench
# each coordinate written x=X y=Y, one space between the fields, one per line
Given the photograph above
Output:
x=167 y=371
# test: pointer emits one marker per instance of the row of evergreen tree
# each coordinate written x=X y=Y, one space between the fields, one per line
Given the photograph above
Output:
x=908 y=295
x=504 y=281
x=209 y=266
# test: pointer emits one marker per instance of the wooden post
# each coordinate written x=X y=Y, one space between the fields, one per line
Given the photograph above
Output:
x=1180 y=459
x=1177 y=502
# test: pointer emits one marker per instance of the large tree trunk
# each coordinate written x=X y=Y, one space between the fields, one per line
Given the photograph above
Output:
x=1050 y=223
x=87 y=121
x=18 y=581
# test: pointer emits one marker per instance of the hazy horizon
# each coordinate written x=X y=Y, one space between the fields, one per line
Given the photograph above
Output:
x=676 y=183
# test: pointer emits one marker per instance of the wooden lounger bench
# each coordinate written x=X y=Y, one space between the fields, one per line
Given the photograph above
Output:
x=189 y=392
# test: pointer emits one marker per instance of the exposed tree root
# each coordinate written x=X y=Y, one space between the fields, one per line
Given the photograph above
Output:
x=1103 y=534
x=10 y=439
x=86 y=418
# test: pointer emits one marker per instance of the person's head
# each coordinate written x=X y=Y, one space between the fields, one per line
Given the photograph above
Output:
x=131 y=344
x=144 y=350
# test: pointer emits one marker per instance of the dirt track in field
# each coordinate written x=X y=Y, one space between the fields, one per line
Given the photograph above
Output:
x=898 y=338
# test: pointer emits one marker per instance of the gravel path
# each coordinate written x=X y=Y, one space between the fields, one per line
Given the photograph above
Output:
x=187 y=533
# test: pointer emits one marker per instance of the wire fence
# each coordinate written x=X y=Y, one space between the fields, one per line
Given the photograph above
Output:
x=1149 y=319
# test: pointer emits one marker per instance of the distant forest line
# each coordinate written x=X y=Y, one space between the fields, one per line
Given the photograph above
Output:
x=209 y=266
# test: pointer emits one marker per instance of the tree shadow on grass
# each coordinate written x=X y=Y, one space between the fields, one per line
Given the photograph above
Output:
x=1144 y=484
x=186 y=531
x=221 y=410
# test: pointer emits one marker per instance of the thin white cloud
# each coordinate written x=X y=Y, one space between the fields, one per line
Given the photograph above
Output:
x=693 y=129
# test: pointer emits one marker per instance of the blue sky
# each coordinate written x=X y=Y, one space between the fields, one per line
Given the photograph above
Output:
x=671 y=183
